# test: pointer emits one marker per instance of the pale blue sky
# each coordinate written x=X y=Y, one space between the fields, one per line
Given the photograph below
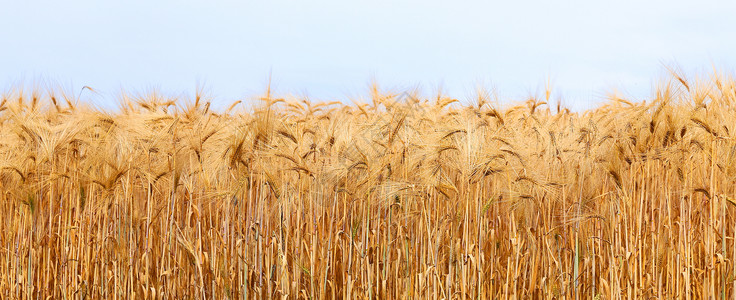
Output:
x=332 y=49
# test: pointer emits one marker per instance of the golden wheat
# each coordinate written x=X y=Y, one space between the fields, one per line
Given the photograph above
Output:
x=393 y=198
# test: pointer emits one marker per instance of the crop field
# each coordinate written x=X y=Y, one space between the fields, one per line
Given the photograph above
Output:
x=396 y=196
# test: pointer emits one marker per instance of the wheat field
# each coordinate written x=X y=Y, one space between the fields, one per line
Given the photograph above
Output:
x=399 y=196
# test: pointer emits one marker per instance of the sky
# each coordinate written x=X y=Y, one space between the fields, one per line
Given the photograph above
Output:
x=333 y=50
